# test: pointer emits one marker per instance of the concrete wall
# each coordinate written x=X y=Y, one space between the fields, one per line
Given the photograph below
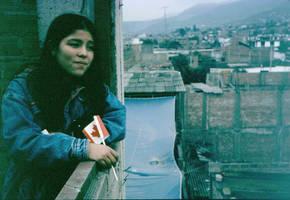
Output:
x=19 y=45
x=245 y=124
x=49 y=9
x=18 y=36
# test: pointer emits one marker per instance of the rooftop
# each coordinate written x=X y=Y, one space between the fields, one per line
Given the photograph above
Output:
x=158 y=81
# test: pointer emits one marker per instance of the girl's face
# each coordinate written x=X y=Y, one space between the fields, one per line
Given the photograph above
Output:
x=76 y=52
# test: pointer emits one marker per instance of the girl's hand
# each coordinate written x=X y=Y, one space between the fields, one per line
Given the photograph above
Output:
x=103 y=155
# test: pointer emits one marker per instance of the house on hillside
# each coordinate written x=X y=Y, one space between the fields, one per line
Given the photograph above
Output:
x=261 y=57
x=242 y=53
x=140 y=55
x=237 y=52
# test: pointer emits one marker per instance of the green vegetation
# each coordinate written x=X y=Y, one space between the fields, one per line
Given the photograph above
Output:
x=284 y=45
x=198 y=74
x=170 y=44
x=149 y=41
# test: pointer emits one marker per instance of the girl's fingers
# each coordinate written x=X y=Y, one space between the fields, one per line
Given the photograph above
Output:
x=112 y=159
x=115 y=155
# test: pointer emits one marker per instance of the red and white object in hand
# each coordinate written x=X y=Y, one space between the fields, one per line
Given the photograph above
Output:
x=96 y=131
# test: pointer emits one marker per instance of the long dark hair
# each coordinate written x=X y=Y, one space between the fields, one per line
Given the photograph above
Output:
x=51 y=86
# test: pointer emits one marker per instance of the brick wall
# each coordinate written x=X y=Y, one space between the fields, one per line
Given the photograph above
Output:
x=243 y=124
x=19 y=45
x=240 y=79
x=18 y=36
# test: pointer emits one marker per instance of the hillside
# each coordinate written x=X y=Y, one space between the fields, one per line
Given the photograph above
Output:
x=278 y=14
x=213 y=15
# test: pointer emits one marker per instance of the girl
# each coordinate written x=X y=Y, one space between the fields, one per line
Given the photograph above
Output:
x=59 y=95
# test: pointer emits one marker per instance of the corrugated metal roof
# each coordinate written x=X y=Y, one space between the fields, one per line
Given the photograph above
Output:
x=153 y=82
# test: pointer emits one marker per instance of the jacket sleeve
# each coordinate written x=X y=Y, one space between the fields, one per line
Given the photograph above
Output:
x=23 y=136
x=114 y=118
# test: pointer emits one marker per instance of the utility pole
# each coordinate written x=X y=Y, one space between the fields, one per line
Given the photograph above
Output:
x=271 y=56
x=165 y=19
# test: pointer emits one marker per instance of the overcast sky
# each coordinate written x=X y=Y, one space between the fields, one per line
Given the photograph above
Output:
x=137 y=10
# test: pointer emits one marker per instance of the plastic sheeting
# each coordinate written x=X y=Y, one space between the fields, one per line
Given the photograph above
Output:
x=151 y=169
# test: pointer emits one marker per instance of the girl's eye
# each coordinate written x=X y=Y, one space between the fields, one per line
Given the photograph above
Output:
x=91 y=47
x=74 y=44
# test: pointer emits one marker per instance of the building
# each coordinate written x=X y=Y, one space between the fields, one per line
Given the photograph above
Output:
x=240 y=136
x=153 y=101
x=249 y=180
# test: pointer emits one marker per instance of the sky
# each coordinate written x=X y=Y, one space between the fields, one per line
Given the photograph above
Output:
x=138 y=10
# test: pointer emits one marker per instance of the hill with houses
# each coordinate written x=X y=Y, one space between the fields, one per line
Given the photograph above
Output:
x=215 y=14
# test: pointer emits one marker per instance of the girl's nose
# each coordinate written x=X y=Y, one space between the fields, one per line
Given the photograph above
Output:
x=83 y=52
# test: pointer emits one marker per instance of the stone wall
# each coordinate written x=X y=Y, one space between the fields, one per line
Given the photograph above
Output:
x=247 y=123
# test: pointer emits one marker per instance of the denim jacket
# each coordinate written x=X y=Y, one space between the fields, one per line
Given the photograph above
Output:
x=40 y=164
